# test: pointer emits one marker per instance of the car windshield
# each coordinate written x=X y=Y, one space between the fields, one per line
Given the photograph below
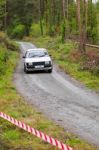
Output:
x=36 y=54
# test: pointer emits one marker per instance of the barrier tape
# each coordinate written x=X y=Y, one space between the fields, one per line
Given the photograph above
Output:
x=35 y=132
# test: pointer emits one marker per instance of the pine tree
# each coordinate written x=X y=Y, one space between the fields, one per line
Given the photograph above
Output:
x=3 y=14
x=82 y=24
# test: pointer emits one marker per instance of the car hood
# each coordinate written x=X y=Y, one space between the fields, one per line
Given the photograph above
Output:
x=37 y=59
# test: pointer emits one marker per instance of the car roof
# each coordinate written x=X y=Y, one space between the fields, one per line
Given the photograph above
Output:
x=36 y=49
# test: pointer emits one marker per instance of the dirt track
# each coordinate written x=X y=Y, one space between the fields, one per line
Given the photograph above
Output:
x=61 y=98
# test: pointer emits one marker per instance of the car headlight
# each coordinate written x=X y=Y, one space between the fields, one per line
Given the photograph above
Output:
x=47 y=62
x=30 y=63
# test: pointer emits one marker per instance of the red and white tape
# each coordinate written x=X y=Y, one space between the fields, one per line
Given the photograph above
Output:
x=35 y=132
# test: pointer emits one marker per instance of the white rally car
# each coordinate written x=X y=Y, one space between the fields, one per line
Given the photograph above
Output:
x=37 y=59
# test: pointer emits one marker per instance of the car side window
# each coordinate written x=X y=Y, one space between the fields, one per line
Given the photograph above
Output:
x=46 y=53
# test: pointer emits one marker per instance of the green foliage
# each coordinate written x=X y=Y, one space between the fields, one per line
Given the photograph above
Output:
x=92 y=23
x=3 y=59
x=6 y=46
x=2 y=13
x=72 y=18
x=11 y=135
x=6 y=42
x=91 y=34
x=20 y=12
x=18 y=32
x=20 y=18
x=73 y=26
x=64 y=30
x=35 y=30
x=3 y=37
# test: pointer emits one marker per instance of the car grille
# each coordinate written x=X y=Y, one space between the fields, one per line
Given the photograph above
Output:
x=38 y=64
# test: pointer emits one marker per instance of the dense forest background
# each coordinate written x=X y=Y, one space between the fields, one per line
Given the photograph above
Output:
x=50 y=17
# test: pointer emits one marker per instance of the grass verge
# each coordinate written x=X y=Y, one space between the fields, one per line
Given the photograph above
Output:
x=11 y=103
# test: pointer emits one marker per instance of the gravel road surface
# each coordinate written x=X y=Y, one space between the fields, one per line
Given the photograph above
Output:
x=61 y=99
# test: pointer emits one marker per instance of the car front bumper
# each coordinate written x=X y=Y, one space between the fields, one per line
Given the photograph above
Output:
x=38 y=69
x=38 y=66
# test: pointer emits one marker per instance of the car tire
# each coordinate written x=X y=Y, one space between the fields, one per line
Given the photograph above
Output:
x=25 y=70
x=50 y=71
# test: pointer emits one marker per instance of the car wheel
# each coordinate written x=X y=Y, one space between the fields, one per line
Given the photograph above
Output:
x=25 y=70
x=50 y=70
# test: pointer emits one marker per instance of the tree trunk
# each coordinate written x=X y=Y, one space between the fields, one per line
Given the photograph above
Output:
x=67 y=13
x=5 y=18
x=41 y=17
x=53 y=10
x=82 y=25
x=64 y=22
x=64 y=12
x=67 y=17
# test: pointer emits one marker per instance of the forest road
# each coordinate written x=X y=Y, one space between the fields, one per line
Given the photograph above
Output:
x=61 y=99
